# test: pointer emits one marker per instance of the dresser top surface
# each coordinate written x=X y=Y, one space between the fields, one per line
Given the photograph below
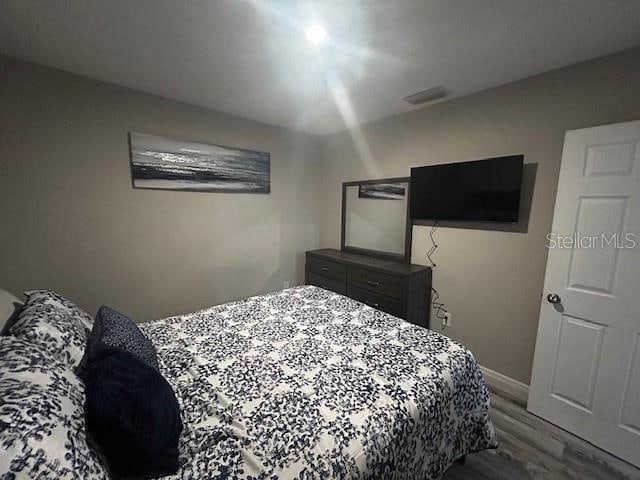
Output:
x=366 y=261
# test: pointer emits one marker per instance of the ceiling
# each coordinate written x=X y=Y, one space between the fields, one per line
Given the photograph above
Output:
x=251 y=58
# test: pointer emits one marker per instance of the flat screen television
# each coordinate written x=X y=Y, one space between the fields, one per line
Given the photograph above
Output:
x=479 y=191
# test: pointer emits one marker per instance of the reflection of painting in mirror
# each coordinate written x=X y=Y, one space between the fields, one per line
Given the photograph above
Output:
x=375 y=225
x=382 y=191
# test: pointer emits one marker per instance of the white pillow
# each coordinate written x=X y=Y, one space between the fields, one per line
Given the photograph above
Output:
x=55 y=324
x=9 y=306
x=42 y=427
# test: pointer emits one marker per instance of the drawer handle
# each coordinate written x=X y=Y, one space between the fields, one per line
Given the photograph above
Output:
x=373 y=283
x=374 y=305
x=324 y=269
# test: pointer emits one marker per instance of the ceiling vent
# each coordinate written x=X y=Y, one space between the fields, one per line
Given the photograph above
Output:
x=425 y=96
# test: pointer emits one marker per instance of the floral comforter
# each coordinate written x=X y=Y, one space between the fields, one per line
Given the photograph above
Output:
x=308 y=384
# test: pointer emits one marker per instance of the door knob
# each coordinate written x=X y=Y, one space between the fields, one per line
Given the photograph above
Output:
x=553 y=298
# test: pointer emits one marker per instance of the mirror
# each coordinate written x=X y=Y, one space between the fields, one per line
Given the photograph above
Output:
x=375 y=218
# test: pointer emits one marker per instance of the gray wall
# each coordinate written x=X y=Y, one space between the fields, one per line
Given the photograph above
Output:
x=69 y=219
x=491 y=281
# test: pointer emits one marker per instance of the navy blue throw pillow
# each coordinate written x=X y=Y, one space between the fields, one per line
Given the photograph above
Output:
x=113 y=329
x=132 y=415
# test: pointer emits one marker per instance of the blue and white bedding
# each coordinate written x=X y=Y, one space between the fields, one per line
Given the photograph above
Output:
x=308 y=384
x=42 y=425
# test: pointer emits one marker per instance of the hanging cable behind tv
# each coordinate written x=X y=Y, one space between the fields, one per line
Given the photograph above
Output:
x=441 y=313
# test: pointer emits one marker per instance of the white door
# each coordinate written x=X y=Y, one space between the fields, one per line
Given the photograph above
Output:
x=586 y=369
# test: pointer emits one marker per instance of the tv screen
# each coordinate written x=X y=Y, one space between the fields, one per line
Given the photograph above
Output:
x=480 y=191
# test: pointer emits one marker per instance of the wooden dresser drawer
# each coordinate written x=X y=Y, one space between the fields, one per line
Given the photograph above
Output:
x=398 y=288
x=376 y=300
x=335 y=271
x=376 y=282
x=326 y=283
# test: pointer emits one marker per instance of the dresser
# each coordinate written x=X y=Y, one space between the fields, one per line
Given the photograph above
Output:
x=401 y=289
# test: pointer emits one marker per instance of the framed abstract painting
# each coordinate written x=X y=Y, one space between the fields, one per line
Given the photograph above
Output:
x=169 y=164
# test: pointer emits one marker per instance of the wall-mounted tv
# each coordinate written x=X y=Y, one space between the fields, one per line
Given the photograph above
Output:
x=479 y=191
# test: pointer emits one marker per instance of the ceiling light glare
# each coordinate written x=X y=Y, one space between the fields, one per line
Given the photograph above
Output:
x=316 y=34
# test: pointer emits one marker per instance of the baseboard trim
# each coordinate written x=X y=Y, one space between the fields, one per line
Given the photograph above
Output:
x=500 y=383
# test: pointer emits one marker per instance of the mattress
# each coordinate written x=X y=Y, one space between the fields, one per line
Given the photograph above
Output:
x=305 y=383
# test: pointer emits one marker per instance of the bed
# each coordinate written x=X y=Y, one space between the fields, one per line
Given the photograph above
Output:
x=308 y=384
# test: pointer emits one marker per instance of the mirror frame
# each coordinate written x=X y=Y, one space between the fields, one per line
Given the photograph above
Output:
x=406 y=257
